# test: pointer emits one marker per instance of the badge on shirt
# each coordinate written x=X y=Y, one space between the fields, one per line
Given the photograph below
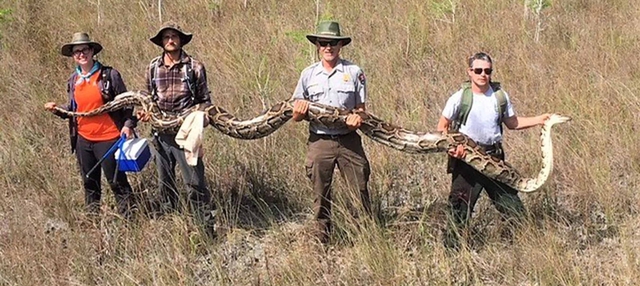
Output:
x=346 y=77
x=362 y=78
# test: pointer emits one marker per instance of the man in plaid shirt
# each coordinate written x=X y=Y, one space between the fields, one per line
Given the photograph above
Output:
x=178 y=82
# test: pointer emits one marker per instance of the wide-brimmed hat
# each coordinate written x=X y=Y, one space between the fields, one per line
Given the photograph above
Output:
x=185 y=38
x=80 y=38
x=329 y=30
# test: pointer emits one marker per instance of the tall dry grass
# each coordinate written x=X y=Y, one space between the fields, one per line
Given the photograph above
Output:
x=583 y=226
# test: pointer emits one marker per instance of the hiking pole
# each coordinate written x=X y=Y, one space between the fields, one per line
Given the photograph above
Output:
x=104 y=157
x=120 y=145
x=115 y=173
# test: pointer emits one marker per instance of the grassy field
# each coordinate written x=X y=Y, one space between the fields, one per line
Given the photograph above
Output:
x=573 y=57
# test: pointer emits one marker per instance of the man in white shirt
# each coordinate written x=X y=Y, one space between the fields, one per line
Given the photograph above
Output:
x=487 y=108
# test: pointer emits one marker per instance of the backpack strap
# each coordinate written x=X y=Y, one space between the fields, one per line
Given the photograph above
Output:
x=187 y=70
x=502 y=100
x=152 y=75
x=190 y=78
x=71 y=89
x=466 y=102
x=73 y=126
x=107 y=90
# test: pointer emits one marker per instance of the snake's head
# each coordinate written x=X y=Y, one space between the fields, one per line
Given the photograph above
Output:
x=557 y=118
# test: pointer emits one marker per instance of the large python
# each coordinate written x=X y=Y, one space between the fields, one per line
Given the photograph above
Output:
x=375 y=128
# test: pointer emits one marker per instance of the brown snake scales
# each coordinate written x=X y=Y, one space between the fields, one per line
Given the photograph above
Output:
x=373 y=127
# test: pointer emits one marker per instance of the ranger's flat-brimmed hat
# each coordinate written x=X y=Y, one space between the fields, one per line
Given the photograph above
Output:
x=185 y=38
x=80 y=38
x=329 y=30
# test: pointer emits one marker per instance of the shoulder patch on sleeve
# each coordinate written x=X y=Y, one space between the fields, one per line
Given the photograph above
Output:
x=362 y=78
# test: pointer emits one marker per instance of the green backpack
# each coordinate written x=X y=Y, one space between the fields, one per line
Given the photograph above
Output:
x=467 y=101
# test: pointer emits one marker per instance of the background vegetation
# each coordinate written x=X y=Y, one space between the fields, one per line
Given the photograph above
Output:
x=574 y=57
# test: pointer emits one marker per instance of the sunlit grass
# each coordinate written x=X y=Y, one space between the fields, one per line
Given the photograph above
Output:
x=581 y=228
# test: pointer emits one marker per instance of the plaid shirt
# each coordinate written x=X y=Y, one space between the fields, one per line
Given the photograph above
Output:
x=173 y=94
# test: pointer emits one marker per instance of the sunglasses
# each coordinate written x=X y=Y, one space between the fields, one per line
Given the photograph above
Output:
x=487 y=71
x=332 y=43
x=82 y=51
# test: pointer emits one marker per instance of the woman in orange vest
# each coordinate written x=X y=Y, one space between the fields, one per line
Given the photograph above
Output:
x=90 y=86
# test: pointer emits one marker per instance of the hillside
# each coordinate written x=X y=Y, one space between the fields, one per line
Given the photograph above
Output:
x=573 y=57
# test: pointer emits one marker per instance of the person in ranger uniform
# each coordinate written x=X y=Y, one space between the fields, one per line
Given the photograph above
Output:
x=336 y=82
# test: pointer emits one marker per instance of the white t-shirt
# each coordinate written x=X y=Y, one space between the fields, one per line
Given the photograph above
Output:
x=482 y=123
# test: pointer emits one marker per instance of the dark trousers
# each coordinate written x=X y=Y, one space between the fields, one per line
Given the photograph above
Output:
x=324 y=154
x=88 y=154
x=169 y=155
x=466 y=186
